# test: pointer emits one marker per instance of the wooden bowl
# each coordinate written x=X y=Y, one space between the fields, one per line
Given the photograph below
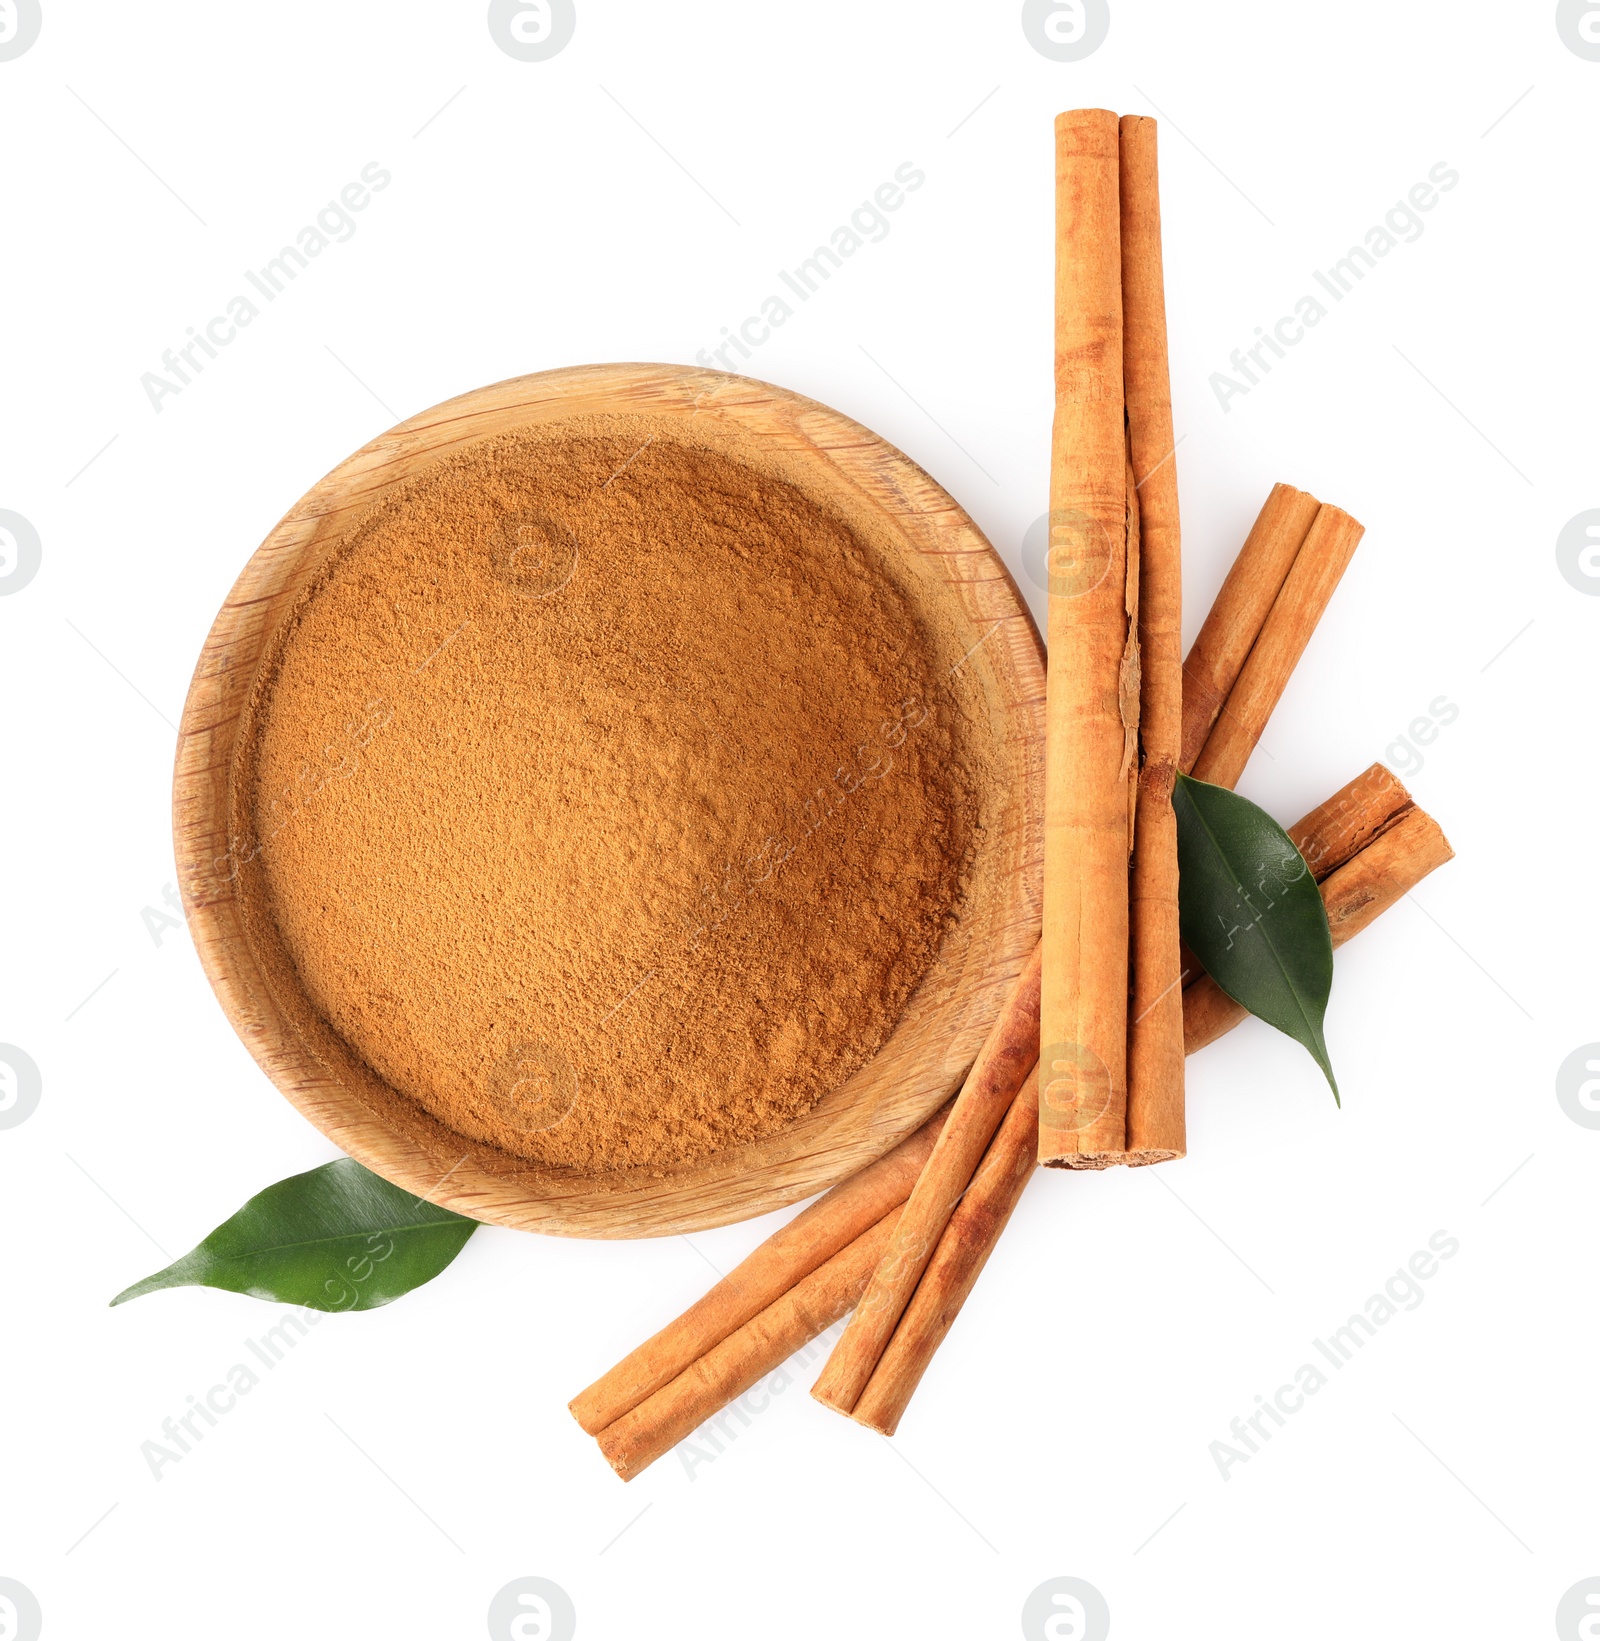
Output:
x=962 y=592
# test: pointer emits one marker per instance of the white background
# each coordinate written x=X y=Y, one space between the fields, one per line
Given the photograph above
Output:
x=627 y=200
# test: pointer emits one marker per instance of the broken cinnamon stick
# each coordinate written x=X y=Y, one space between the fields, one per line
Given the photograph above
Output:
x=731 y=1367
x=1251 y=588
x=1009 y=1052
x=1299 y=606
x=1155 y=1112
x=1084 y=1008
x=832 y=1223
x=957 y=1263
x=1357 y=814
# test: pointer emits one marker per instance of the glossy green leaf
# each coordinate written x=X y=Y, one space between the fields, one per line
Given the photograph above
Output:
x=336 y=1239
x=1252 y=914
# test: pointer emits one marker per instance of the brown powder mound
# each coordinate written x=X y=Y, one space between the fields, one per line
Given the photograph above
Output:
x=609 y=802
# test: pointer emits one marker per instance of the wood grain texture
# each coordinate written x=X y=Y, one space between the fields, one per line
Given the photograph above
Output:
x=921 y=539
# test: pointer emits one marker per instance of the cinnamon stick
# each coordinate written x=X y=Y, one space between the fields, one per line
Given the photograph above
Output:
x=808 y=1241
x=1241 y=610
x=1155 y=1112
x=1406 y=844
x=1084 y=1009
x=731 y=1367
x=1009 y=1052
x=1356 y=815
x=957 y=1263
x=1357 y=893
x=1299 y=606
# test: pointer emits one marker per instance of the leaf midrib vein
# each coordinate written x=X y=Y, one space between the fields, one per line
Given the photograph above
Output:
x=342 y=1236
x=1294 y=991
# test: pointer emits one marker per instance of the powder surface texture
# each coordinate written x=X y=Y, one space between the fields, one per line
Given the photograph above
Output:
x=609 y=799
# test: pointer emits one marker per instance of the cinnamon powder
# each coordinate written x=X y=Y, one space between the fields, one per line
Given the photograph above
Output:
x=608 y=799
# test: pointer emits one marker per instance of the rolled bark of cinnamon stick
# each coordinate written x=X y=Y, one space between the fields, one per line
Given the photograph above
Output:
x=1300 y=604
x=1218 y=655
x=832 y=1223
x=1009 y=1052
x=731 y=1367
x=957 y=1263
x=1357 y=814
x=1155 y=1110
x=1406 y=845
x=1084 y=1021
x=1357 y=893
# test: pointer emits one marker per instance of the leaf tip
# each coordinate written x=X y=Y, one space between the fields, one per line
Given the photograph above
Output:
x=150 y=1284
x=1327 y=1071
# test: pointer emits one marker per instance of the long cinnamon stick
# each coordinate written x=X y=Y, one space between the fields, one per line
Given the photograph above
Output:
x=1008 y=1053
x=731 y=1367
x=1316 y=572
x=1084 y=1010
x=809 y=1240
x=1366 y=886
x=1155 y=1112
x=1251 y=588
x=1405 y=845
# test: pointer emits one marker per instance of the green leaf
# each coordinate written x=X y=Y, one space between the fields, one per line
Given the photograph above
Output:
x=336 y=1239
x=1251 y=913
